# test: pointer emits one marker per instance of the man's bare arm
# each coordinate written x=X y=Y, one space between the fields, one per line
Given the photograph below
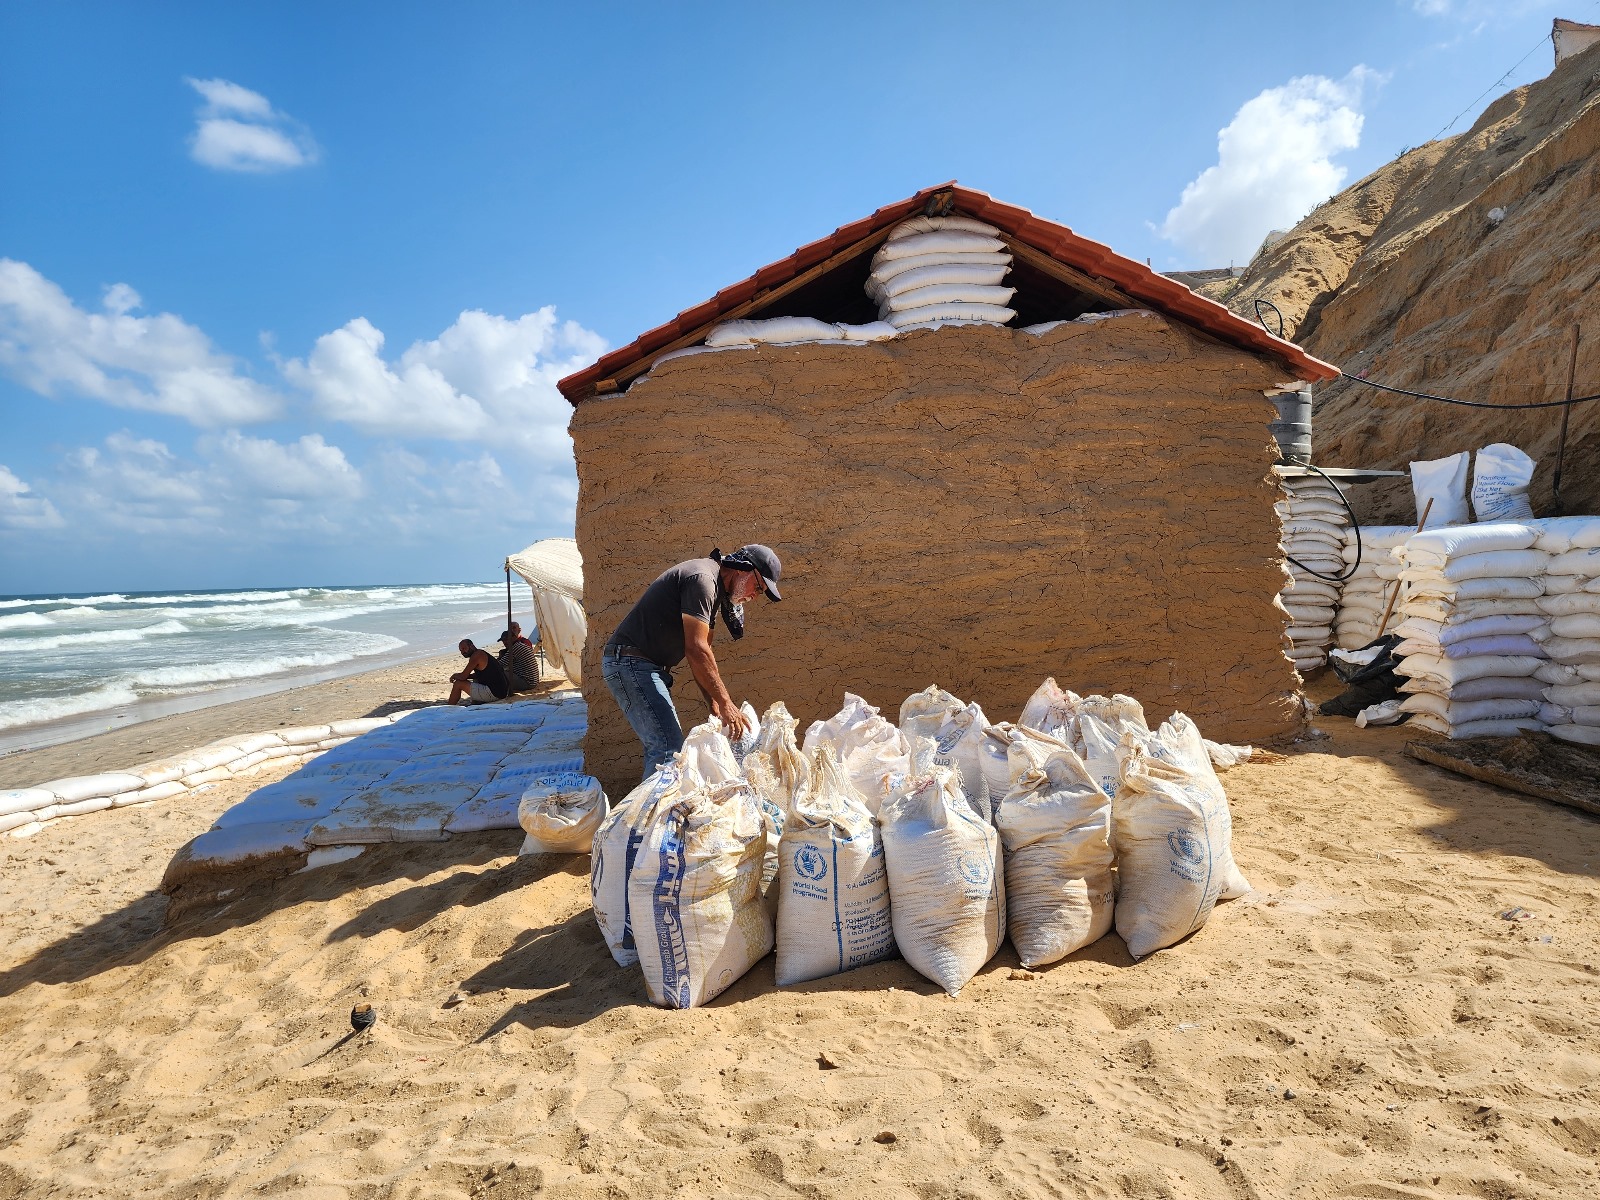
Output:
x=703 y=665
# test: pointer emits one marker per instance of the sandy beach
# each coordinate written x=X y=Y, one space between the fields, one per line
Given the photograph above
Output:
x=1365 y=1024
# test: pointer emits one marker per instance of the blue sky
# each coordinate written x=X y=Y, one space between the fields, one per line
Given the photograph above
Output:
x=285 y=288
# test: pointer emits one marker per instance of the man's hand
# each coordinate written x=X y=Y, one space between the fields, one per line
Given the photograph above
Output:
x=734 y=723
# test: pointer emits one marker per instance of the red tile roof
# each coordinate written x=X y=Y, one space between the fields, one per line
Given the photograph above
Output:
x=1059 y=242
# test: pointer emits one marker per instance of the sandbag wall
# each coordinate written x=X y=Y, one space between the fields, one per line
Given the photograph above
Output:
x=1315 y=526
x=975 y=504
x=1374 y=573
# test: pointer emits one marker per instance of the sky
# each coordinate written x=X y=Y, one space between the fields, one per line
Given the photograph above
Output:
x=285 y=289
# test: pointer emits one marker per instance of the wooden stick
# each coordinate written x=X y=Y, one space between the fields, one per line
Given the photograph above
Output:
x=1395 y=594
x=1566 y=415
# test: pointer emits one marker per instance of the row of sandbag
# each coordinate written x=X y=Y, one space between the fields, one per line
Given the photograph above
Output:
x=1373 y=575
x=1315 y=526
x=933 y=838
x=1502 y=628
x=934 y=270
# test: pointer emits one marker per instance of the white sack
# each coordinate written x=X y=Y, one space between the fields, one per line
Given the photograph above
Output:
x=1576 y=625
x=872 y=331
x=560 y=814
x=1458 y=670
x=873 y=751
x=616 y=847
x=833 y=886
x=1436 y=547
x=1500 y=477
x=943 y=273
x=1560 y=534
x=1573 y=650
x=908 y=304
x=1097 y=734
x=1494 y=564
x=92 y=787
x=777 y=330
x=912 y=226
x=1583 y=735
x=1050 y=710
x=977 y=314
x=944 y=241
x=1581 y=562
x=945 y=879
x=26 y=800
x=956 y=730
x=1173 y=838
x=1444 y=481
x=1055 y=823
x=694 y=894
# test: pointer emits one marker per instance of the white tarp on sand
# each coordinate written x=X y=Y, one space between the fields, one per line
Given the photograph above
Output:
x=554 y=570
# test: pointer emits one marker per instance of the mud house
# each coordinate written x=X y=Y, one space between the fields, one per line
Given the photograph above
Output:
x=1085 y=491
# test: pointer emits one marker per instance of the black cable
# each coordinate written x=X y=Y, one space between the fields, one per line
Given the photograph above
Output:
x=1345 y=500
x=1384 y=387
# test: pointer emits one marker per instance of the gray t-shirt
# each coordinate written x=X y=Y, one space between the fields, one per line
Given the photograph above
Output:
x=655 y=623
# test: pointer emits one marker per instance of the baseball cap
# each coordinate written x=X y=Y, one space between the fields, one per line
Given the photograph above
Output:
x=763 y=561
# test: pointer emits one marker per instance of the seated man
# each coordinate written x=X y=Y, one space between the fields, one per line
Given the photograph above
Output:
x=518 y=662
x=516 y=632
x=482 y=681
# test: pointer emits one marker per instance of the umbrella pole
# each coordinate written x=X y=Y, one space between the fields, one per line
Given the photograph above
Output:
x=508 y=595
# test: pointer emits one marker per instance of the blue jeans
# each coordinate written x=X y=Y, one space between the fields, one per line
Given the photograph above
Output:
x=643 y=692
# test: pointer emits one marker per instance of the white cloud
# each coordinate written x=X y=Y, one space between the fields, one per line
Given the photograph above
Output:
x=239 y=130
x=1274 y=163
x=236 y=485
x=22 y=508
x=486 y=378
x=157 y=363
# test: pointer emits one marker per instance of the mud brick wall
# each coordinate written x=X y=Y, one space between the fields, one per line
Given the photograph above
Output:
x=971 y=506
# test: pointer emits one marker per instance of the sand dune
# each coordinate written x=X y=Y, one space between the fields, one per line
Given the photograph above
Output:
x=1431 y=1047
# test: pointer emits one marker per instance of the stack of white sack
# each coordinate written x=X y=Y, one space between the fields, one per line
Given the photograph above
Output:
x=1572 y=604
x=1314 y=526
x=1365 y=594
x=1474 y=629
x=934 y=270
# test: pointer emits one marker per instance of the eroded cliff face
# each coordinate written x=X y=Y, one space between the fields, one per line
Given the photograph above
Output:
x=970 y=506
x=1405 y=278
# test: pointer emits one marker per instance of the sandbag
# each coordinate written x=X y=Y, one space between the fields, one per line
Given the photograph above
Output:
x=1500 y=477
x=1574 y=650
x=833 y=886
x=1560 y=534
x=872 y=331
x=560 y=814
x=1055 y=824
x=1451 y=671
x=1443 y=481
x=874 y=752
x=1097 y=736
x=1583 y=562
x=1435 y=547
x=892 y=269
x=956 y=730
x=941 y=241
x=977 y=314
x=614 y=851
x=1050 y=710
x=1583 y=735
x=945 y=880
x=694 y=894
x=778 y=330
x=943 y=273
x=1576 y=625
x=1173 y=834
x=952 y=224
x=1493 y=564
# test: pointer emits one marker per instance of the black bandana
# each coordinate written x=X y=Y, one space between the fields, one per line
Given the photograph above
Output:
x=732 y=614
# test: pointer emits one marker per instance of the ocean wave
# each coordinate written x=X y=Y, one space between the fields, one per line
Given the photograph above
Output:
x=81 y=611
x=51 y=708
x=181 y=678
x=96 y=637
x=24 y=621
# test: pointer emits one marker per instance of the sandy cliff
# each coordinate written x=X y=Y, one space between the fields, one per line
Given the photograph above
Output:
x=1407 y=278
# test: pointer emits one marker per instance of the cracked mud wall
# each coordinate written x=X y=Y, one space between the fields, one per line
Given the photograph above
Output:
x=971 y=506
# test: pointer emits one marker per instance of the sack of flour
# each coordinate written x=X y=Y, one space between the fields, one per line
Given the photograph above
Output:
x=1172 y=834
x=1097 y=735
x=1501 y=474
x=783 y=758
x=945 y=880
x=874 y=752
x=560 y=814
x=705 y=758
x=833 y=887
x=956 y=730
x=1050 y=710
x=616 y=846
x=695 y=894
x=1055 y=823
x=1444 y=481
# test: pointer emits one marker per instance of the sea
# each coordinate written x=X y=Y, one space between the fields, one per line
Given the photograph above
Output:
x=73 y=665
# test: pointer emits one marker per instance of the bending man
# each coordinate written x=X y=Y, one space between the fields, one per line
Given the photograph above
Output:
x=675 y=619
